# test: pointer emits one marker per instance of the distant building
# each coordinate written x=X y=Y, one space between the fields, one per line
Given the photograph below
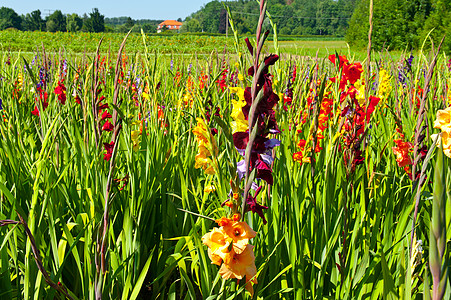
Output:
x=170 y=25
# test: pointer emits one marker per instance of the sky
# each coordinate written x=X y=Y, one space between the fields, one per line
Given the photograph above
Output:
x=136 y=9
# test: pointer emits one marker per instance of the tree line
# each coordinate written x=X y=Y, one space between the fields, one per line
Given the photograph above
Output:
x=57 y=21
x=401 y=24
x=293 y=17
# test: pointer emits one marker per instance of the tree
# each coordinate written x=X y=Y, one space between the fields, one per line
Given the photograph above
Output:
x=223 y=20
x=397 y=24
x=74 y=23
x=209 y=19
x=33 y=21
x=56 y=22
x=129 y=23
x=191 y=25
x=149 y=28
x=9 y=19
x=95 y=22
x=439 y=23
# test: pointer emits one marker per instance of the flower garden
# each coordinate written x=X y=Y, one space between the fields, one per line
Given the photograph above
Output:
x=241 y=175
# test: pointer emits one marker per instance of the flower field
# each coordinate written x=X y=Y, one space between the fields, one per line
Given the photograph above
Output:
x=125 y=174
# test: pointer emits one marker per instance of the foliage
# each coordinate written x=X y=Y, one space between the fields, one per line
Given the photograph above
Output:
x=401 y=24
x=95 y=22
x=33 y=21
x=302 y=17
x=74 y=23
x=191 y=25
x=56 y=22
x=9 y=19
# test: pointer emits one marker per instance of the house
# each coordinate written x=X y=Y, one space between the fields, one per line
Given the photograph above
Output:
x=170 y=25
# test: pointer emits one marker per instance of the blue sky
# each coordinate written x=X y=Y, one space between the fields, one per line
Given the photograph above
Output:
x=136 y=9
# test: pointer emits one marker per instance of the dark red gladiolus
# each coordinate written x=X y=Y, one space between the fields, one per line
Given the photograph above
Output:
x=249 y=46
x=264 y=120
x=264 y=171
x=254 y=143
x=101 y=106
x=253 y=206
x=271 y=59
x=223 y=80
x=240 y=140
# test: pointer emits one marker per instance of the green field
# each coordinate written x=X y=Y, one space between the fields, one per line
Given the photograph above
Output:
x=172 y=45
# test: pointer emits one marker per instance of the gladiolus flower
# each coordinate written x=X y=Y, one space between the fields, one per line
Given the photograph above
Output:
x=228 y=247
x=384 y=84
x=107 y=126
x=101 y=106
x=241 y=266
x=210 y=188
x=342 y=60
x=106 y=115
x=207 y=147
x=109 y=150
x=60 y=90
x=135 y=137
x=254 y=206
x=446 y=142
x=402 y=152
x=443 y=120
x=35 y=111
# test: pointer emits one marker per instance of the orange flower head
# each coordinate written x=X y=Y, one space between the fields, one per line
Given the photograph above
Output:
x=236 y=217
x=402 y=152
x=240 y=233
x=218 y=243
x=229 y=204
x=239 y=266
x=223 y=221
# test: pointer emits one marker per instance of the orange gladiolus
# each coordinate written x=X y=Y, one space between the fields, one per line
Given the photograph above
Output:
x=228 y=247
x=241 y=266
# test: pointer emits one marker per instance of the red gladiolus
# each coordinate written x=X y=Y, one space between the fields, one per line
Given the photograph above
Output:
x=35 y=111
x=106 y=115
x=352 y=72
x=373 y=102
x=203 y=81
x=109 y=150
x=60 y=90
x=223 y=81
x=401 y=151
x=107 y=126
x=341 y=58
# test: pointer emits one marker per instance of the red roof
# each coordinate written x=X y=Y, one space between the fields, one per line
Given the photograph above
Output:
x=171 y=23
